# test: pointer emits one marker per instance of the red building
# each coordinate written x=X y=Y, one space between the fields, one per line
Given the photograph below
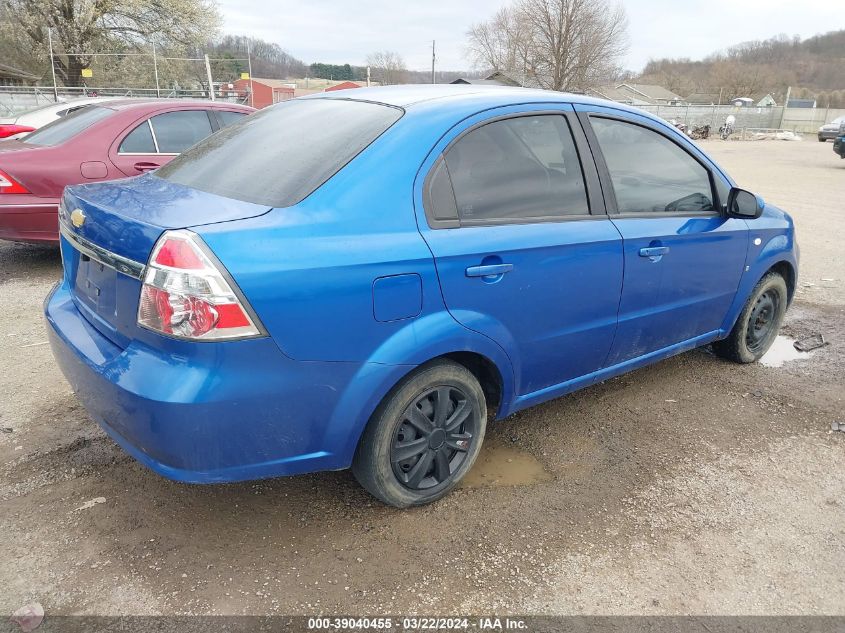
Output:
x=265 y=92
x=343 y=86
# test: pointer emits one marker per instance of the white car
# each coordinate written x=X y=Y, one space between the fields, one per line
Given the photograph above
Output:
x=830 y=130
x=22 y=124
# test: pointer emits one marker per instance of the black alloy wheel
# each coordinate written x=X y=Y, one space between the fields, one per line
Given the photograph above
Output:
x=433 y=437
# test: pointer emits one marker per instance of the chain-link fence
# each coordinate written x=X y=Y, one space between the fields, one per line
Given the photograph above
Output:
x=16 y=99
x=799 y=120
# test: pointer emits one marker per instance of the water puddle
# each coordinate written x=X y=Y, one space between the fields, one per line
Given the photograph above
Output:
x=782 y=351
x=499 y=465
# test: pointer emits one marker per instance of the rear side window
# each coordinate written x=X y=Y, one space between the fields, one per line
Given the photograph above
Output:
x=516 y=170
x=649 y=172
x=278 y=156
x=177 y=131
x=64 y=129
x=139 y=141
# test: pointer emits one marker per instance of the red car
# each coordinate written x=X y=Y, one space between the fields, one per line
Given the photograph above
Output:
x=101 y=142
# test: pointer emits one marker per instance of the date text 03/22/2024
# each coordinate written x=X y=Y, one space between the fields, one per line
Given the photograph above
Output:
x=418 y=624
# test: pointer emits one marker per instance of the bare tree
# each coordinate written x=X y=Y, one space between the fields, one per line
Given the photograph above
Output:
x=387 y=67
x=81 y=27
x=554 y=44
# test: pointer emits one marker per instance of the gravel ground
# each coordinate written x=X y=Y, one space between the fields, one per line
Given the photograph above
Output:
x=694 y=486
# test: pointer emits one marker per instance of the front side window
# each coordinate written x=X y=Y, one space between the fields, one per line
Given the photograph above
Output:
x=177 y=131
x=649 y=172
x=517 y=169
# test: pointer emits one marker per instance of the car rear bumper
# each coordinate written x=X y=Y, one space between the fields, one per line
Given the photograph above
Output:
x=27 y=218
x=827 y=136
x=228 y=412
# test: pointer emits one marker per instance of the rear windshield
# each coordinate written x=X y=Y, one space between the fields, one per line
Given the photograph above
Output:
x=278 y=156
x=59 y=131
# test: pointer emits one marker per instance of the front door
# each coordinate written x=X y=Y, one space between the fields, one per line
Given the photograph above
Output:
x=523 y=248
x=683 y=256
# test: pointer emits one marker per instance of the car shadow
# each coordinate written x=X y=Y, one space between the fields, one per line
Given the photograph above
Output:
x=33 y=262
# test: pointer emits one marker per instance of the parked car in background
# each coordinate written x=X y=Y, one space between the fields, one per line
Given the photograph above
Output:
x=356 y=278
x=839 y=144
x=830 y=130
x=102 y=142
x=22 y=124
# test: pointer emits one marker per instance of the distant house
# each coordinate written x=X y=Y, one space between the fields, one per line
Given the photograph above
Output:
x=496 y=78
x=479 y=82
x=766 y=101
x=265 y=92
x=757 y=101
x=15 y=77
x=650 y=93
x=704 y=98
x=801 y=103
x=636 y=94
x=612 y=93
x=344 y=85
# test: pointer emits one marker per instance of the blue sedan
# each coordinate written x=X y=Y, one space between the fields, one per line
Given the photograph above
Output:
x=362 y=278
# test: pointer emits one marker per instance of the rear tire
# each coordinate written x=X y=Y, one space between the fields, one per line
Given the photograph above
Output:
x=424 y=437
x=758 y=323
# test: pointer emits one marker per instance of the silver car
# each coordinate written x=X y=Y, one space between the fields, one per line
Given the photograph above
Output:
x=830 y=130
x=19 y=125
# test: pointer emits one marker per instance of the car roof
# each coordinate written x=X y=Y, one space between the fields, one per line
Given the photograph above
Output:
x=409 y=95
x=131 y=104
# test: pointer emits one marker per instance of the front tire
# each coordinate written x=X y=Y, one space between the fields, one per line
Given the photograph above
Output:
x=758 y=323
x=424 y=437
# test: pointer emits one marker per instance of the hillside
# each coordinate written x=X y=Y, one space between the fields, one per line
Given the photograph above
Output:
x=814 y=67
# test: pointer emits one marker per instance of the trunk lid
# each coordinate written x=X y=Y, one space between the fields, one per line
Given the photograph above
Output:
x=104 y=256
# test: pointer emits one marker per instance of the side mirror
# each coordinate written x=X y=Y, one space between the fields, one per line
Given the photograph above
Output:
x=744 y=204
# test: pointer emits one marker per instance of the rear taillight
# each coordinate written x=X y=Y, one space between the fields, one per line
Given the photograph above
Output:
x=187 y=295
x=10 y=130
x=10 y=185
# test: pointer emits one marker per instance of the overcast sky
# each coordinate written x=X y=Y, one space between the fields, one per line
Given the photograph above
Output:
x=340 y=31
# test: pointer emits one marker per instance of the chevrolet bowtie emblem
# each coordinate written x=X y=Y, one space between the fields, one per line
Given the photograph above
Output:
x=77 y=218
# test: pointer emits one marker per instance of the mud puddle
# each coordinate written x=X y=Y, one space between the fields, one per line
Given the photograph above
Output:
x=782 y=351
x=501 y=465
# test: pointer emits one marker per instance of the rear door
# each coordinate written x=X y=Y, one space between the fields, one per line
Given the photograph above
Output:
x=523 y=248
x=683 y=256
x=154 y=141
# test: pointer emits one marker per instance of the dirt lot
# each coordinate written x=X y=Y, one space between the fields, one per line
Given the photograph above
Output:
x=692 y=486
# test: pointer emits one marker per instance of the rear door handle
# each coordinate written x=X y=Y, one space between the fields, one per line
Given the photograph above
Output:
x=142 y=166
x=489 y=270
x=654 y=251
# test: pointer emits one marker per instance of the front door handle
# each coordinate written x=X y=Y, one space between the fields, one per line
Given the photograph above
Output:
x=654 y=251
x=489 y=270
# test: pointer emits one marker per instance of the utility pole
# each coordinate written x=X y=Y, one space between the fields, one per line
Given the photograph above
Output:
x=368 y=76
x=208 y=73
x=433 y=57
x=52 y=62
x=785 y=106
x=155 y=69
x=249 y=69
